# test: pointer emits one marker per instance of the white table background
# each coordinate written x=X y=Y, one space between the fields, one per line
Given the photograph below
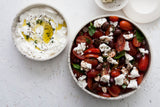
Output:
x=27 y=83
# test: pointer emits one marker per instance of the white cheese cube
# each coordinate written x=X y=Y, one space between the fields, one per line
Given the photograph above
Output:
x=132 y=84
x=126 y=47
x=104 y=48
x=105 y=78
x=80 y=48
x=106 y=39
x=111 y=60
x=104 y=89
x=128 y=57
x=100 y=59
x=143 y=51
x=119 y=80
x=134 y=73
x=128 y=36
x=85 y=66
x=99 y=22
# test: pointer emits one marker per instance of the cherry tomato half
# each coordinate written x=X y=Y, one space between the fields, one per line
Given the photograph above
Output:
x=133 y=51
x=97 y=34
x=92 y=73
x=91 y=56
x=114 y=90
x=92 y=51
x=84 y=39
x=139 y=79
x=135 y=42
x=115 y=72
x=120 y=43
x=92 y=61
x=125 y=25
x=104 y=94
x=113 y=18
x=143 y=63
x=79 y=56
x=89 y=83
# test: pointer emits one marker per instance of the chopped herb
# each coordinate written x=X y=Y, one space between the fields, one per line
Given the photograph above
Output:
x=91 y=29
x=124 y=86
x=76 y=66
x=119 y=55
x=39 y=21
x=51 y=41
x=28 y=24
x=88 y=41
x=48 y=34
x=53 y=29
x=139 y=36
x=27 y=37
x=99 y=74
x=35 y=41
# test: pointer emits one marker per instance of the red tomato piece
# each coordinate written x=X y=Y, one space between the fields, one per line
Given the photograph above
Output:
x=92 y=61
x=89 y=83
x=79 y=56
x=139 y=79
x=135 y=42
x=108 y=31
x=92 y=73
x=143 y=63
x=91 y=56
x=125 y=25
x=92 y=51
x=104 y=94
x=98 y=34
x=84 y=39
x=120 y=44
x=114 y=90
x=113 y=18
x=77 y=73
x=115 y=72
x=133 y=51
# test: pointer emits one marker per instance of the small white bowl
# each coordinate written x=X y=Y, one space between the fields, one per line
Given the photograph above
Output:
x=95 y=95
x=114 y=6
x=15 y=21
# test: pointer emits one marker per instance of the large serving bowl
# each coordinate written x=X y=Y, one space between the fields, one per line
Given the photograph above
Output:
x=121 y=96
x=40 y=7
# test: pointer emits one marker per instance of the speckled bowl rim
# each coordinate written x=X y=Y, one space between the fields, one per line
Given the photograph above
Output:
x=38 y=5
x=120 y=96
x=112 y=9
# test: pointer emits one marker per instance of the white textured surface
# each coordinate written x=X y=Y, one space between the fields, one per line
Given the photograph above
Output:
x=27 y=83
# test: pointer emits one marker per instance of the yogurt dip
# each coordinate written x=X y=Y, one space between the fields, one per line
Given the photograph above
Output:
x=40 y=33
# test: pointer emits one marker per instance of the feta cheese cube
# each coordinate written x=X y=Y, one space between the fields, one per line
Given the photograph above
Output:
x=97 y=78
x=104 y=89
x=80 y=48
x=124 y=71
x=128 y=36
x=119 y=80
x=104 y=48
x=134 y=73
x=100 y=59
x=128 y=57
x=85 y=66
x=143 y=51
x=132 y=84
x=105 y=78
x=82 y=81
x=99 y=22
x=126 y=47
x=114 y=23
x=83 y=77
x=106 y=39
x=111 y=60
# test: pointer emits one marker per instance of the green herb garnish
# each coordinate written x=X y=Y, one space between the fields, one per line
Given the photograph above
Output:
x=91 y=29
x=76 y=66
x=124 y=86
x=39 y=21
x=119 y=55
x=139 y=36
x=35 y=41
x=27 y=37
x=28 y=24
x=88 y=41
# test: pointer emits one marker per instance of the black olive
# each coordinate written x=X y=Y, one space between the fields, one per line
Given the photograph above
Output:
x=105 y=26
x=96 y=43
x=76 y=60
x=117 y=32
x=122 y=60
x=99 y=67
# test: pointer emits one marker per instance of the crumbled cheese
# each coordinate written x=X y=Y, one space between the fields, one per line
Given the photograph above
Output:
x=82 y=82
x=126 y=81
x=133 y=84
x=114 y=23
x=124 y=71
x=111 y=33
x=111 y=60
x=134 y=73
x=111 y=29
x=112 y=53
x=104 y=89
x=126 y=47
x=80 y=48
x=100 y=59
x=104 y=48
x=105 y=78
x=119 y=80
x=99 y=22
x=143 y=51
x=106 y=39
x=128 y=36
x=129 y=65
x=26 y=30
x=85 y=66
x=128 y=57
x=97 y=78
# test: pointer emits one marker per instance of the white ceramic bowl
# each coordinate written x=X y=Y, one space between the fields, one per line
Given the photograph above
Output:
x=114 y=6
x=95 y=95
x=15 y=21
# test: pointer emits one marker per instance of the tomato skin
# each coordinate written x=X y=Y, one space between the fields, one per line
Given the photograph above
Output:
x=92 y=51
x=89 y=83
x=120 y=44
x=139 y=79
x=143 y=63
x=83 y=39
x=104 y=94
x=91 y=56
x=97 y=34
x=79 y=56
x=114 y=90
x=92 y=73
x=133 y=51
x=125 y=25
x=113 y=18
x=135 y=42
x=115 y=72
x=92 y=61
